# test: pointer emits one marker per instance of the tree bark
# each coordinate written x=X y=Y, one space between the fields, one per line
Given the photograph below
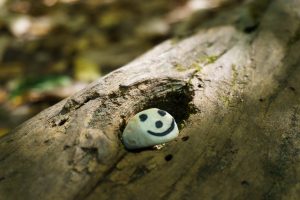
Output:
x=233 y=87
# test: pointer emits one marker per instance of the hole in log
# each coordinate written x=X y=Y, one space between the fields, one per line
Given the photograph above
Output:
x=245 y=183
x=169 y=157
x=177 y=103
x=91 y=150
x=66 y=147
x=292 y=88
x=185 y=138
x=47 y=141
x=250 y=29
x=173 y=96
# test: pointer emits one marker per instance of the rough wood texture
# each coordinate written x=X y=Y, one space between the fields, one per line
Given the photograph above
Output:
x=234 y=86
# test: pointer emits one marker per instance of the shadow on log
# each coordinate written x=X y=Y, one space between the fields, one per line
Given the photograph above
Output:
x=234 y=88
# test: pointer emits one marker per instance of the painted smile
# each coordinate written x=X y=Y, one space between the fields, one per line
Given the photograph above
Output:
x=166 y=132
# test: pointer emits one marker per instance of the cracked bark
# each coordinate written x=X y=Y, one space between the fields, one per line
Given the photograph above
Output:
x=234 y=89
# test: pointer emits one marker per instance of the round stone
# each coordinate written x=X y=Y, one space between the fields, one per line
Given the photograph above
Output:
x=148 y=128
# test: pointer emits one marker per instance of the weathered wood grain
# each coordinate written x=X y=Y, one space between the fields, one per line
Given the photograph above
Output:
x=234 y=87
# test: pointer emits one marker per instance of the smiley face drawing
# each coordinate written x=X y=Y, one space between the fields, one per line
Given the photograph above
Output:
x=148 y=128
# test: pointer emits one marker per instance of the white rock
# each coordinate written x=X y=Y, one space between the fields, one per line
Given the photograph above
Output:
x=148 y=128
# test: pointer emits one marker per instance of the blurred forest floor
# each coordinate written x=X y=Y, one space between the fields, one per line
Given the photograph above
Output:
x=50 y=49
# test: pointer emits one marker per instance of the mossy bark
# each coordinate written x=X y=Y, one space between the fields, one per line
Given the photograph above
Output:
x=234 y=87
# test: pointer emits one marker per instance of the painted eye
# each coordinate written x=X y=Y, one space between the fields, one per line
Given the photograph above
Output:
x=158 y=124
x=147 y=129
x=143 y=117
x=161 y=113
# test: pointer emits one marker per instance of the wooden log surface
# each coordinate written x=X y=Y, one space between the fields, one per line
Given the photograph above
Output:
x=234 y=89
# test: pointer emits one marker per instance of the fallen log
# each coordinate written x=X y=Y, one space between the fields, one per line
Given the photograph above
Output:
x=233 y=87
